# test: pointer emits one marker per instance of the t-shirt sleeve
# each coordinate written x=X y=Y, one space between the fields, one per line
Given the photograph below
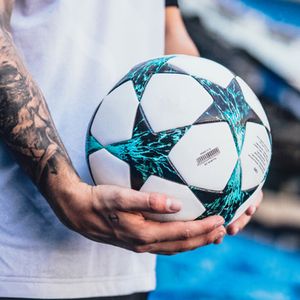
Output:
x=172 y=3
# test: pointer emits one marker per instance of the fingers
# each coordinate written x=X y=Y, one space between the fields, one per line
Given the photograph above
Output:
x=240 y=223
x=252 y=209
x=219 y=240
x=145 y=232
x=185 y=245
x=171 y=231
x=245 y=218
x=120 y=211
x=131 y=200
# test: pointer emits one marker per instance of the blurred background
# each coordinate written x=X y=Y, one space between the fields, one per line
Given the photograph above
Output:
x=260 y=41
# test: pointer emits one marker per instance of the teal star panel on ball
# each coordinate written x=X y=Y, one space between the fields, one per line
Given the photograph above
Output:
x=228 y=106
x=141 y=74
x=147 y=152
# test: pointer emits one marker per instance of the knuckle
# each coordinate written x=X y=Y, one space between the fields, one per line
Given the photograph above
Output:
x=157 y=202
x=208 y=239
x=141 y=238
x=120 y=199
x=186 y=233
x=96 y=205
x=205 y=226
x=153 y=202
x=119 y=196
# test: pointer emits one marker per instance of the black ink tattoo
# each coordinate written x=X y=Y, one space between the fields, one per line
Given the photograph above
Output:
x=113 y=218
x=25 y=122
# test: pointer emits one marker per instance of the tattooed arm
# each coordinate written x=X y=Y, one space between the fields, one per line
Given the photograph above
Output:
x=106 y=214
x=25 y=122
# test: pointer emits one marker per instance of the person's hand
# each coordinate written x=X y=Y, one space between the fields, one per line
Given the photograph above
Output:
x=244 y=219
x=113 y=215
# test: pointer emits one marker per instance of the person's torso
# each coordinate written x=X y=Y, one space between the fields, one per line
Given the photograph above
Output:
x=75 y=50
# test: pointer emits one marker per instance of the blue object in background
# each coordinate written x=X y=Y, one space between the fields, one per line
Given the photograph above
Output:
x=279 y=10
x=241 y=268
x=238 y=269
x=276 y=88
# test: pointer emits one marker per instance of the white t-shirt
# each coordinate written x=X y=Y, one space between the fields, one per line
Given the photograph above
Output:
x=75 y=50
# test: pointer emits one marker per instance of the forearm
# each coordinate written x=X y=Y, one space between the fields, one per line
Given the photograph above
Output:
x=26 y=125
x=177 y=39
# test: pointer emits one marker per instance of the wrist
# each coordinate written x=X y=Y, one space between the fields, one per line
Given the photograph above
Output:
x=66 y=193
x=59 y=180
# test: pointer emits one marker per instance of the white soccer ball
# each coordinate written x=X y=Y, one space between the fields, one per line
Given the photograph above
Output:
x=186 y=127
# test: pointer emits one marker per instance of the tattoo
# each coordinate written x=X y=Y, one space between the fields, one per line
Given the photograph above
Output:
x=25 y=122
x=113 y=218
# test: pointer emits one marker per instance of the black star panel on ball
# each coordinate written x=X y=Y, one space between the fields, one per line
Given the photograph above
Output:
x=147 y=152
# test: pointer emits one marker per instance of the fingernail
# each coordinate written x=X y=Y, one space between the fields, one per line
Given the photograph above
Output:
x=219 y=223
x=173 y=205
x=219 y=238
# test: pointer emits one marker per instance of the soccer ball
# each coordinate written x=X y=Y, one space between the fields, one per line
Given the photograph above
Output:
x=186 y=127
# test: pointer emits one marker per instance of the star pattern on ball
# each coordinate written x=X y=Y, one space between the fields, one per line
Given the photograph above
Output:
x=147 y=152
x=226 y=202
x=228 y=106
x=141 y=74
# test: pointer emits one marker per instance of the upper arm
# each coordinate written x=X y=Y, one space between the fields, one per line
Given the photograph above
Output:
x=177 y=39
x=6 y=7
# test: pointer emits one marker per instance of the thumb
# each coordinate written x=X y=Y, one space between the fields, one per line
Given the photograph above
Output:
x=131 y=200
